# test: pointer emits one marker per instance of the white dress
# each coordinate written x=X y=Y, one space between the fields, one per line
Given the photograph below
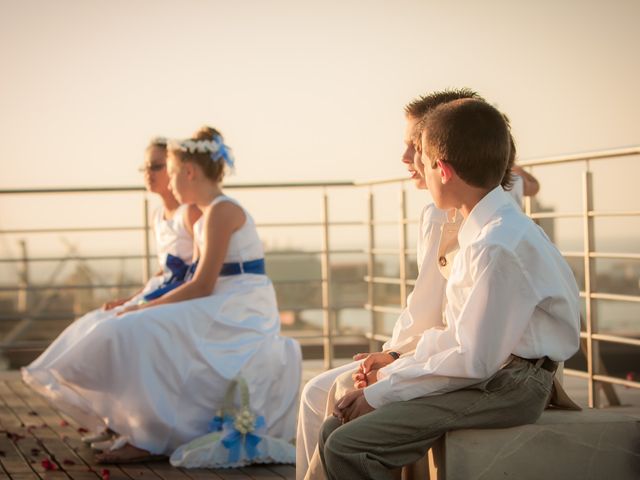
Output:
x=171 y=237
x=158 y=375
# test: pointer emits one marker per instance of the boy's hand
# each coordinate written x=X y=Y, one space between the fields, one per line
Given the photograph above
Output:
x=362 y=380
x=351 y=406
x=367 y=373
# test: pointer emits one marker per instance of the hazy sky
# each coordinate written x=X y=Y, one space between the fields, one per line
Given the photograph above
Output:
x=302 y=90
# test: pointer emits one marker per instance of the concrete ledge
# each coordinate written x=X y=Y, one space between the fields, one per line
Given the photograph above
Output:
x=592 y=444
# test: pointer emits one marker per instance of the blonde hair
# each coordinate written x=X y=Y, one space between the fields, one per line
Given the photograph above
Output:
x=213 y=170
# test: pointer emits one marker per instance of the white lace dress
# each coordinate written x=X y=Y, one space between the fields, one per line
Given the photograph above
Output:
x=158 y=375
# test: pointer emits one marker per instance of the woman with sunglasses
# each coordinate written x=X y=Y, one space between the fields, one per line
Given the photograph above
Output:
x=158 y=373
x=173 y=228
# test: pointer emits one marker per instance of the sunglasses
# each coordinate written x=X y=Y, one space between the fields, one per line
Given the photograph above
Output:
x=154 y=167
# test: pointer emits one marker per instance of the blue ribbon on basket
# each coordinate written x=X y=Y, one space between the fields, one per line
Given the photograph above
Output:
x=235 y=440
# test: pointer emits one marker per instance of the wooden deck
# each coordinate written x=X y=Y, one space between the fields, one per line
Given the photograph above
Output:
x=39 y=443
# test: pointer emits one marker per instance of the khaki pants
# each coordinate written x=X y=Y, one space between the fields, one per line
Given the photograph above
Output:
x=400 y=433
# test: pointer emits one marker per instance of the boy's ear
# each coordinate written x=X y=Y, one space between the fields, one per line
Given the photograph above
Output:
x=446 y=171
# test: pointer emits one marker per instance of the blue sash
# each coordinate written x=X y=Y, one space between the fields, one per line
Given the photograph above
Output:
x=179 y=270
x=181 y=273
x=252 y=266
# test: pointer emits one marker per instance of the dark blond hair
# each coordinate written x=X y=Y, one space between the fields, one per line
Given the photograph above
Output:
x=471 y=136
x=212 y=169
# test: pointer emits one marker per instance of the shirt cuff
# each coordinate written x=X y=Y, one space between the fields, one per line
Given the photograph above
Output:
x=376 y=394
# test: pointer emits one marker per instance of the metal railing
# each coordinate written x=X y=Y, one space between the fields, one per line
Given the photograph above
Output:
x=595 y=373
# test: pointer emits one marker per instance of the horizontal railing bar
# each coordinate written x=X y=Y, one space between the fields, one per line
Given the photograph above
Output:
x=127 y=285
x=343 y=339
x=39 y=316
x=378 y=337
x=580 y=157
x=345 y=223
x=575 y=373
x=71 y=230
x=615 y=256
x=345 y=183
x=601 y=337
x=607 y=255
x=618 y=213
x=71 y=257
x=69 y=287
x=592 y=214
x=313 y=252
x=21 y=191
x=611 y=296
x=391 y=251
x=340 y=183
x=388 y=280
x=616 y=297
x=312 y=280
x=140 y=256
x=616 y=381
x=542 y=215
x=67 y=315
x=381 y=309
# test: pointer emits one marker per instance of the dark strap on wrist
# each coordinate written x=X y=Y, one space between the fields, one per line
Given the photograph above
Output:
x=395 y=355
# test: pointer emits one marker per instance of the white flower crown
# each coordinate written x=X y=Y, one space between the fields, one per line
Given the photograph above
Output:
x=216 y=148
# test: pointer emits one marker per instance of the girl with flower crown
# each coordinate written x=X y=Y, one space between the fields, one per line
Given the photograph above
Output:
x=173 y=227
x=157 y=373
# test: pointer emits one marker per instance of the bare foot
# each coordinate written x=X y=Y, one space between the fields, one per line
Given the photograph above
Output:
x=126 y=454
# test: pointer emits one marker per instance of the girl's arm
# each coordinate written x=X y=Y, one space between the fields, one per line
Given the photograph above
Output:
x=221 y=221
x=192 y=216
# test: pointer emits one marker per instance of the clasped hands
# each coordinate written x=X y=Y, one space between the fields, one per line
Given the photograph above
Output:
x=354 y=404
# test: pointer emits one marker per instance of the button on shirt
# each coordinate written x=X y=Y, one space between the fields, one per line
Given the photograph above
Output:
x=510 y=292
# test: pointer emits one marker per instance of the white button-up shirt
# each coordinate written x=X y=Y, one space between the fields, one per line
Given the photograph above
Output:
x=424 y=303
x=510 y=292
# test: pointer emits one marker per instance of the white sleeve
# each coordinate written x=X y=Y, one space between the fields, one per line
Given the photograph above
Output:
x=424 y=303
x=496 y=308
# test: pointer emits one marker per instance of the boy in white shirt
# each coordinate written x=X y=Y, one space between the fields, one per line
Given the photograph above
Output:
x=512 y=312
x=424 y=304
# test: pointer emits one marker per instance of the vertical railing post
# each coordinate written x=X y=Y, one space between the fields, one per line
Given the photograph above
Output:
x=402 y=258
x=371 y=260
x=593 y=354
x=527 y=204
x=327 y=330
x=146 y=263
x=23 y=293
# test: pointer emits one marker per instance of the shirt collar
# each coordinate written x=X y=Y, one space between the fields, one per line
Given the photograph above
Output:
x=481 y=214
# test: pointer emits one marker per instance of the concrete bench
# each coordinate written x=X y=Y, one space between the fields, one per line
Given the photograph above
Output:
x=567 y=445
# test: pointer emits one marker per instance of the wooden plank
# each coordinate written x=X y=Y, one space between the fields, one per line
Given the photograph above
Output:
x=53 y=436
x=25 y=476
x=232 y=474
x=11 y=459
x=77 y=458
x=259 y=472
x=201 y=473
x=165 y=471
x=287 y=472
x=42 y=446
